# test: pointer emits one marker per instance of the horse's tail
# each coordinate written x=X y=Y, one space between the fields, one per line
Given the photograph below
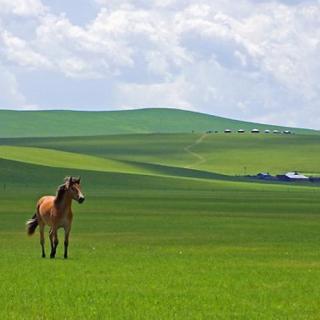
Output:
x=32 y=224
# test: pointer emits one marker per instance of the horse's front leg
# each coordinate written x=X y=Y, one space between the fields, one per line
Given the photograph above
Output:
x=53 y=234
x=66 y=240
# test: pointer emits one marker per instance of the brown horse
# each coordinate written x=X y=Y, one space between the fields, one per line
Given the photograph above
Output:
x=55 y=211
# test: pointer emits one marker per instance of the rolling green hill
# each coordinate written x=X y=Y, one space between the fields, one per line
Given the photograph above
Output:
x=77 y=161
x=216 y=153
x=77 y=123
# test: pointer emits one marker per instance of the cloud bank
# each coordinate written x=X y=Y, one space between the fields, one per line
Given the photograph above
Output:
x=252 y=60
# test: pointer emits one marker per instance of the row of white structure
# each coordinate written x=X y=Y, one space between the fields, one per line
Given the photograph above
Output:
x=258 y=131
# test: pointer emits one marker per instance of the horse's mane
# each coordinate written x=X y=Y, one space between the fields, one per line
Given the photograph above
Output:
x=63 y=188
x=60 y=192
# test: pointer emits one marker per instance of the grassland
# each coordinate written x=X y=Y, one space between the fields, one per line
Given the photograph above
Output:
x=157 y=239
x=233 y=154
x=76 y=123
x=146 y=247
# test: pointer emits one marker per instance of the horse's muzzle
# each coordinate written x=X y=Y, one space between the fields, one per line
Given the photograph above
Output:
x=81 y=200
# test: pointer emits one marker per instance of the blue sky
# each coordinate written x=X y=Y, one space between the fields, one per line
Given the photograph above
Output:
x=251 y=60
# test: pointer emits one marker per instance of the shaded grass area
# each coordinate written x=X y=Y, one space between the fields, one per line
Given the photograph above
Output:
x=146 y=247
x=76 y=161
x=153 y=148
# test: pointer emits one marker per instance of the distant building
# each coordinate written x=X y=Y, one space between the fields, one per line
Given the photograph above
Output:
x=241 y=131
x=264 y=176
x=227 y=131
x=267 y=131
x=276 y=131
x=292 y=176
x=295 y=175
x=287 y=132
x=255 y=131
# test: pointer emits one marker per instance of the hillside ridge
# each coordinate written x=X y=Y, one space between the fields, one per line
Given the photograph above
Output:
x=57 y=123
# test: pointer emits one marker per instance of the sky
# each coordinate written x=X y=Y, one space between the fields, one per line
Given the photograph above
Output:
x=253 y=60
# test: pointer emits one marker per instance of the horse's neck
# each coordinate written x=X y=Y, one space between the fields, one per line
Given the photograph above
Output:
x=65 y=203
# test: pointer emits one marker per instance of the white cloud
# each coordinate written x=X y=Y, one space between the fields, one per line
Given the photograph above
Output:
x=10 y=95
x=166 y=94
x=19 y=51
x=246 y=59
x=22 y=7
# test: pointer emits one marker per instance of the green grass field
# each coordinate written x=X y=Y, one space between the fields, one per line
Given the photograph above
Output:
x=77 y=123
x=166 y=232
x=225 y=154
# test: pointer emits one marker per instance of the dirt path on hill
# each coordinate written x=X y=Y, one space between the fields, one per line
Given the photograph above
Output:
x=199 y=157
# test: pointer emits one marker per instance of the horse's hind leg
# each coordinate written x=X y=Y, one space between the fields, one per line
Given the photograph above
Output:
x=54 y=241
x=41 y=227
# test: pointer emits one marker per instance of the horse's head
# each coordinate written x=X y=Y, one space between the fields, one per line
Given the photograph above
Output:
x=72 y=186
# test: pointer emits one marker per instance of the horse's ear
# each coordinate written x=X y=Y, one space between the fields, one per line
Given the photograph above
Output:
x=79 y=179
x=67 y=181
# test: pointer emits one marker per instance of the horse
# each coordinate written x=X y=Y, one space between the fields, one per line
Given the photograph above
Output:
x=55 y=211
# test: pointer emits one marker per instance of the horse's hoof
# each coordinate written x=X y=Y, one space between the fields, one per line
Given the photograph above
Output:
x=43 y=256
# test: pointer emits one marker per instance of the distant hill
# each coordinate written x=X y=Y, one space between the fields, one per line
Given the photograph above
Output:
x=90 y=123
